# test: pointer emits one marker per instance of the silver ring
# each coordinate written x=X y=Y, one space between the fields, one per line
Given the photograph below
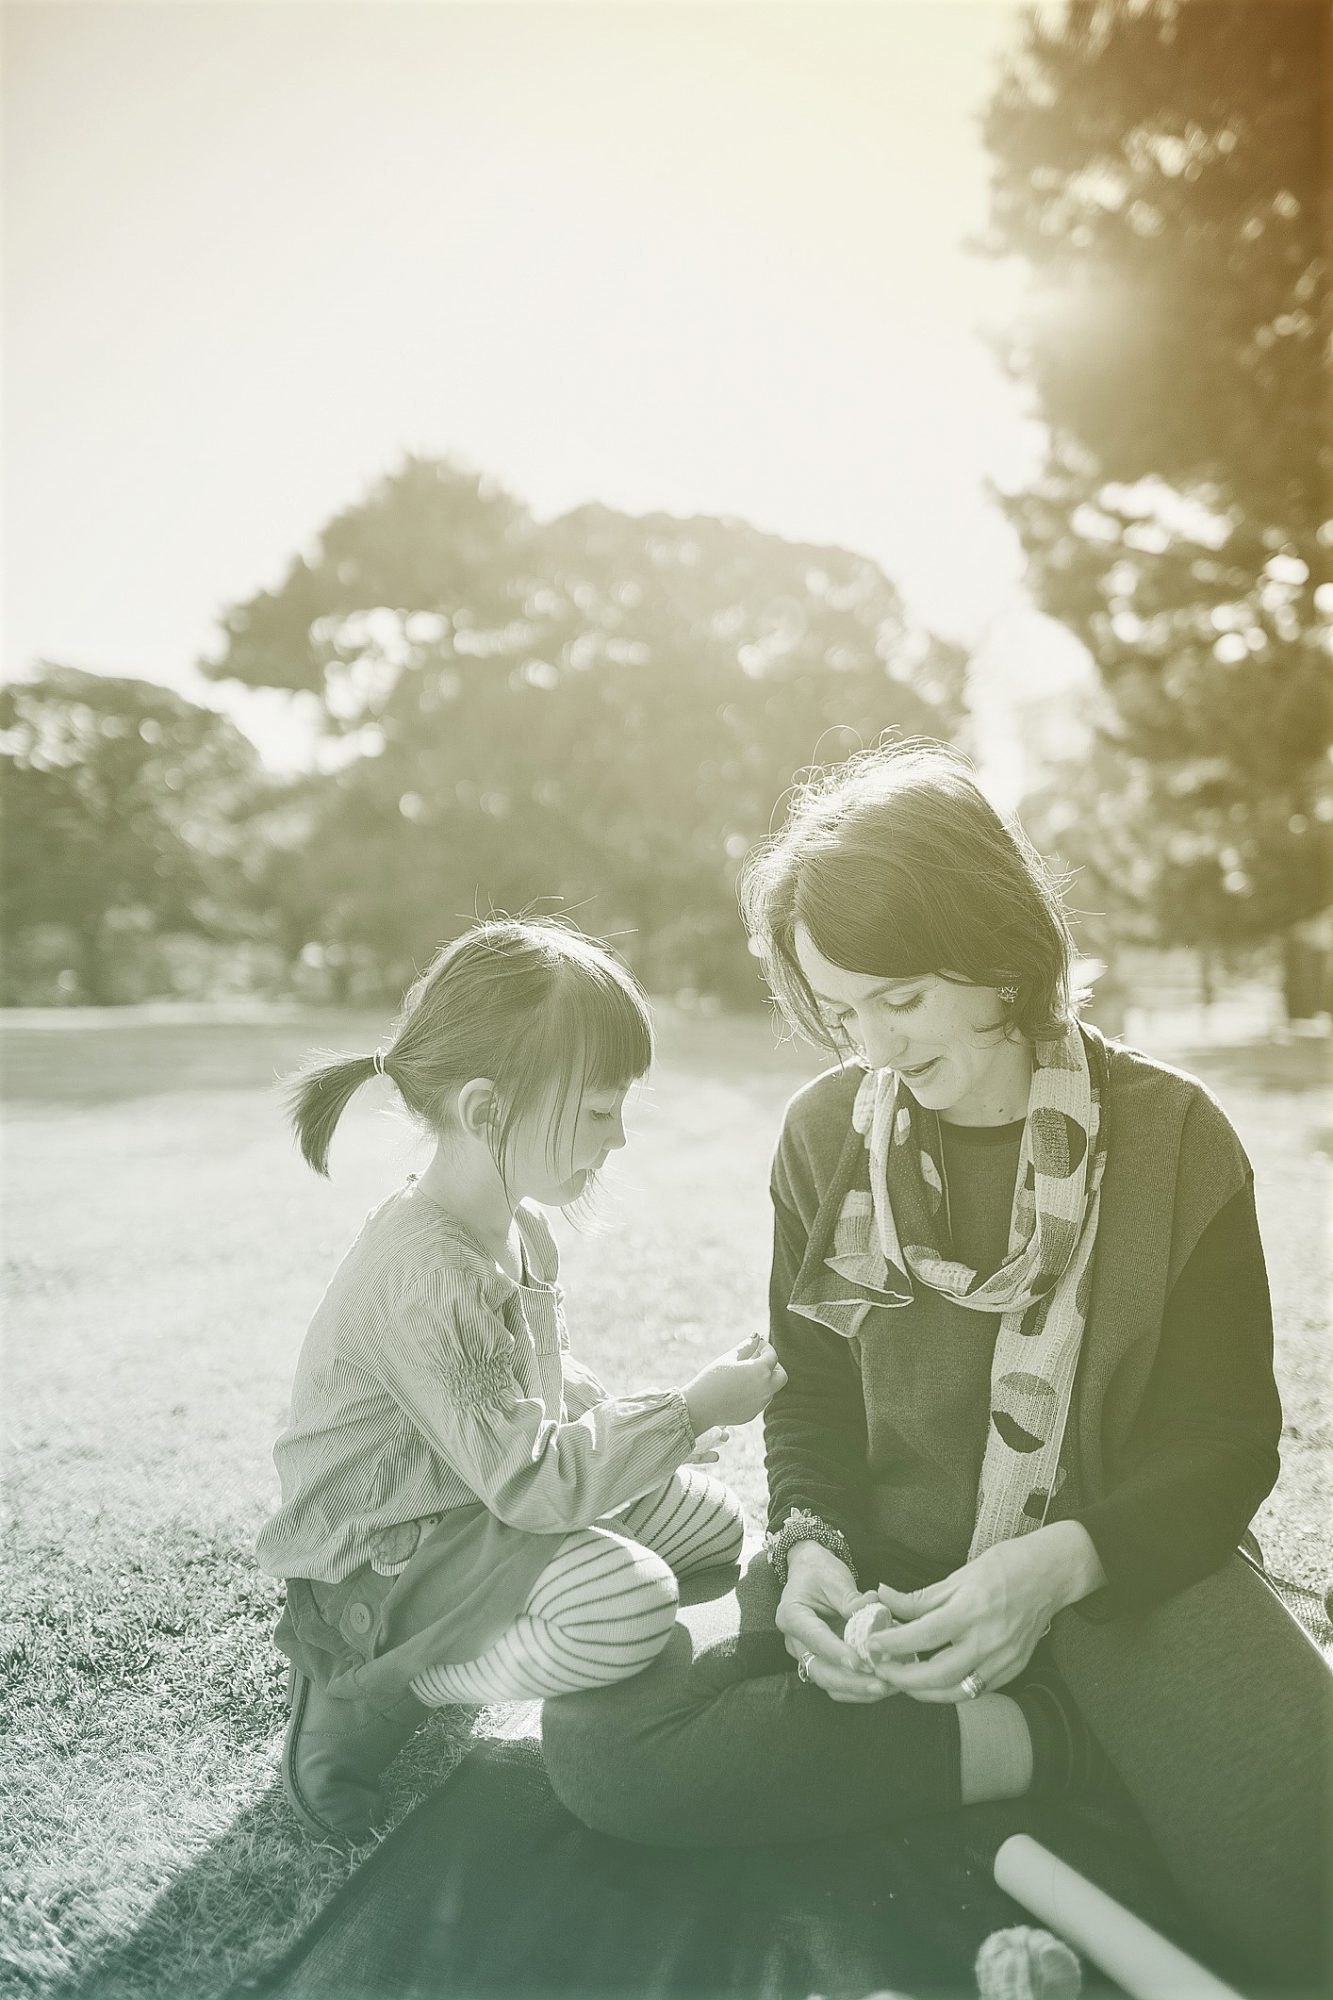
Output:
x=973 y=1685
x=803 y=1666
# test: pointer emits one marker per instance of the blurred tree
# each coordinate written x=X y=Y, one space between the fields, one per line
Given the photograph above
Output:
x=599 y=710
x=1160 y=165
x=123 y=805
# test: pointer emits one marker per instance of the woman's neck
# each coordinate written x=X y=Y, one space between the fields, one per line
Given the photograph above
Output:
x=1001 y=1096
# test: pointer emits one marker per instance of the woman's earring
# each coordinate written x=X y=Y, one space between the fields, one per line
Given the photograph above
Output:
x=1008 y=994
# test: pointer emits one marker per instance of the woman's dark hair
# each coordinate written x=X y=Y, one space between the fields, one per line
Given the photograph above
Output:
x=897 y=864
x=541 y=1010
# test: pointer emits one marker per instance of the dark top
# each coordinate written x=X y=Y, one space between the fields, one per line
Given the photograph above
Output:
x=885 y=1442
x=925 y=1444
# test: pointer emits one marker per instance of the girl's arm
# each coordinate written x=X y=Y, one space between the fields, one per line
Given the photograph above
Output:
x=449 y=1369
x=582 y=1388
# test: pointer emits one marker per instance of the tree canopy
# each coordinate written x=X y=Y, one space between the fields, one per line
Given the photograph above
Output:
x=124 y=805
x=1160 y=167
x=601 y=710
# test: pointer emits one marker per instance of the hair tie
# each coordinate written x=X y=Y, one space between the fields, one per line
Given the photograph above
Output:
x=378 y=1060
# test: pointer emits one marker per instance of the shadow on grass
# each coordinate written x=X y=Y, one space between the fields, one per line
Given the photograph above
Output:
x=255 y=1890
x=242 y=1904
x=150 y=1847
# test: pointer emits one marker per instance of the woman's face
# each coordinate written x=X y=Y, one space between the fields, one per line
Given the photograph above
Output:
x=943 y=1040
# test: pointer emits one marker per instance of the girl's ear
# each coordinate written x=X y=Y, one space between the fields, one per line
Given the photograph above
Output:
x=478 y=1107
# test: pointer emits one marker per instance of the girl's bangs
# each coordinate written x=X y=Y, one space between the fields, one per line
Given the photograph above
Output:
x=591 y=1034
x=617 y=1036
x=595 y=1036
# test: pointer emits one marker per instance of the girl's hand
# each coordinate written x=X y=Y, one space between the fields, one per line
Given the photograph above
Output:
x=707 y=1447
x=820 y=1595
x=735 y=1387
x=986 y=1618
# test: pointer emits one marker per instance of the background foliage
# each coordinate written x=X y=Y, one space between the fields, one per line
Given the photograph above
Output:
x=1160 y=168
x=127 y=811
x=603 y=712
x=600 y=711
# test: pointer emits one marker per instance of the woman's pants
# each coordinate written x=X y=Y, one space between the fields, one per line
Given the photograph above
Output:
x=1217 y=1711
x=604 y=1606
x=1214 y=1708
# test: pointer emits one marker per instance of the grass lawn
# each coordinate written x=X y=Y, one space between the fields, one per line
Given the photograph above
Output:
x=164 y=1250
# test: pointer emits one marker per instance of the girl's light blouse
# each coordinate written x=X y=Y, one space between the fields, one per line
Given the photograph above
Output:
x=429 y=1380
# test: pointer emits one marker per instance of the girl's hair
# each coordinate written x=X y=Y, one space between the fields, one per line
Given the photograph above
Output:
x=897 y=864
x=541 y=1010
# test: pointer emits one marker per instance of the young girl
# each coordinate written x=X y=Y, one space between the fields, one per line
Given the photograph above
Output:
x=467 y=1515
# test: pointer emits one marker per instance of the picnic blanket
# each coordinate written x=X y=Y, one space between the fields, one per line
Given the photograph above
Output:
x=491 y=1888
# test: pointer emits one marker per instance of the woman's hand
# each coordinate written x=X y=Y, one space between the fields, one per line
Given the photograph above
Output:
x=820 y=1593
x=986 y=1619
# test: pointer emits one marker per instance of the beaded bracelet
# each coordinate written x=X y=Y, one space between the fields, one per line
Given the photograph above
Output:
x=801 y=1526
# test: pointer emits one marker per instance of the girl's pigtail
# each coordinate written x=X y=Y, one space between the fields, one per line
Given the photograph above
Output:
x=317 y=1098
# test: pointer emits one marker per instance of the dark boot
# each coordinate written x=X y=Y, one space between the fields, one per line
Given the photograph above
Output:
x=334 y=1754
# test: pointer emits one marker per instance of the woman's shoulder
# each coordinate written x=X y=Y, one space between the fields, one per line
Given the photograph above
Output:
x=1148 y=1097
x=816 y=1121
x=1133 y=1072
x=827 y=1098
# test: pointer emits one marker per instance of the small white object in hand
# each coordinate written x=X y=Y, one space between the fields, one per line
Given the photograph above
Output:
x=861 y=1628
x=1026 y=1964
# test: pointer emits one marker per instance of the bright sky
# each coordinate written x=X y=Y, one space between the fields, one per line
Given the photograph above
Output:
x=705 y=258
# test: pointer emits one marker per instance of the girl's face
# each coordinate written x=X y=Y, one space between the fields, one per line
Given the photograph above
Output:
x=942 y=1039
x=554 y=1167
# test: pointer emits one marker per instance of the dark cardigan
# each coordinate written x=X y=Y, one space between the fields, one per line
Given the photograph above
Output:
x=1173 y=1431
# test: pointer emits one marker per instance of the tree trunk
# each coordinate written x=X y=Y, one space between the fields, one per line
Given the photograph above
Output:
x=95 y=979
x=1304 y=976
x=1207 y=986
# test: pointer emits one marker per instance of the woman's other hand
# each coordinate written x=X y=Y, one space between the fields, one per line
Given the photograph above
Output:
x=820 y=1594
x=984 y=1621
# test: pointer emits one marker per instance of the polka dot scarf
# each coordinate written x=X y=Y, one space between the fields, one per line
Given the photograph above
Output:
x=1040 y=1290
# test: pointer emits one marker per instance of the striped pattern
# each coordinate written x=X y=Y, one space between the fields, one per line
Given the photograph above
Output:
x=693 y=1522
x=602 y=1609
x=429 y=1381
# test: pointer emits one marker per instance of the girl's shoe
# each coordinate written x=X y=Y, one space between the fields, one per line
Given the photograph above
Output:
x=333 y=1757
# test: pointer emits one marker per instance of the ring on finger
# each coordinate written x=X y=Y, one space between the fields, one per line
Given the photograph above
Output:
x=973 y=1685
x=803 y=1666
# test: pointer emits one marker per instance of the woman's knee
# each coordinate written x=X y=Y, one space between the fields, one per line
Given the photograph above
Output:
x=1224 y=1780
x=605 y=1748
x=643 y=1760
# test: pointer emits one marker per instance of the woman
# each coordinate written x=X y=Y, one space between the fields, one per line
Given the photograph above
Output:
x=1020 y=1297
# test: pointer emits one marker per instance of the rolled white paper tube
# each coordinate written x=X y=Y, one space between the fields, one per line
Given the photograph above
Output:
x=1147 y=1965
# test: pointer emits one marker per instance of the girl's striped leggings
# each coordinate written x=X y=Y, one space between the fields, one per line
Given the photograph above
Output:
x=605 y=1604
